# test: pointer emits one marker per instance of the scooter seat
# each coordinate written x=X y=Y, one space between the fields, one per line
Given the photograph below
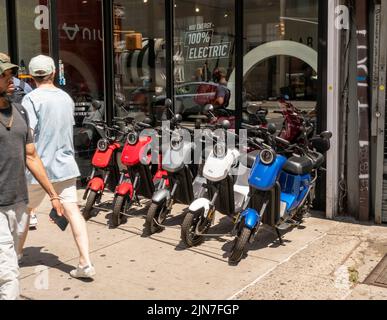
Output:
x=251 y=156
x=318 y=160
x=298 y=166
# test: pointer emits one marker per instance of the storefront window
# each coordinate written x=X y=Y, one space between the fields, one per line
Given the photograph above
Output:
x=3 y=28
x=204 y=49
x=81 y=71
x=139 y=62
x=280 y=57
x=33 y=32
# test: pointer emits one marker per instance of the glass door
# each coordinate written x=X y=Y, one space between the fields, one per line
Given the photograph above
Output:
x=81 y=71
x=139 y=58
x=204 y=57
x=3 y=28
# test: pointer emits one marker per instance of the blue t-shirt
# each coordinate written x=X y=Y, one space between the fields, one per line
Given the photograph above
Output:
x=51 y=114
x=21 y=85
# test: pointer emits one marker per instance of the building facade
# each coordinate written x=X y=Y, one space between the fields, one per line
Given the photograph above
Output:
x=132 y=54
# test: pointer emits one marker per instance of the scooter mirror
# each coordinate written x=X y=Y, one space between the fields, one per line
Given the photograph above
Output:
x=262 y=113
x=253 y=107
x=208 y=108
x=226 y=124
x=148 y=121
x=326 y=135
x=168 y=103
x=178 y=118
x=97 y=104
x=272 y=129
x=120 y=100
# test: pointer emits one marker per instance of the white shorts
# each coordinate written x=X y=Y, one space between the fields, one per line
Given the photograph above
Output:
x=66 y=190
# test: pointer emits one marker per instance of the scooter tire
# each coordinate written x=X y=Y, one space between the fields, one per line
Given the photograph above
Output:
x=119 y=203
x=188 y=228
x=91 y=199
x=240 y=246
x=153 y=213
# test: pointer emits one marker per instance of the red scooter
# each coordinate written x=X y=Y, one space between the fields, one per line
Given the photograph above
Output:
x=103 y=165
x=137 y=178
x=295 y=125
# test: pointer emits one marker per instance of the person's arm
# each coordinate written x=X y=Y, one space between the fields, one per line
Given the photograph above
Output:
x=35 y=165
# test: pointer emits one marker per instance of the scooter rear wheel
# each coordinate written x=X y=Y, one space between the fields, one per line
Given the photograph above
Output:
x=154 y=211
x=240 y=246
x=188 y=228
x=92 y=197
x=119 y=204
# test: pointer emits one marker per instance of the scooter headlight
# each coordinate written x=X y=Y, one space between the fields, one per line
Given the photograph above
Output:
x=102 y=145
x=132 y=138
x=176 y=143
x=267 y=156
x=220 y=150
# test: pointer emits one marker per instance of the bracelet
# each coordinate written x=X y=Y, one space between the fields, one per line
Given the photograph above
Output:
x=54 y=198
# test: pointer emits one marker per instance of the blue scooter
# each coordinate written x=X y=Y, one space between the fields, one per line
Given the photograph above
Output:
x=285 y=182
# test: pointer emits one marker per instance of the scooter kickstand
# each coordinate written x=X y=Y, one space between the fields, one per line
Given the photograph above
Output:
x=279 y=236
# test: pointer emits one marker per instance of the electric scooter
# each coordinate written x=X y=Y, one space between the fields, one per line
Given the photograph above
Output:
x=103 y=163
x=136 y=179
x=285 y=189
x=295 y=123
x=224 y=195
x=183 y=187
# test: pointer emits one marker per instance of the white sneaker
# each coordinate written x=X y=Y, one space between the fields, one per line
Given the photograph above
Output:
x=83 y=272
x=33 y=221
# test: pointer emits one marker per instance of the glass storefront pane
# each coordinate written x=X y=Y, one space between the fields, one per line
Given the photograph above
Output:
x=81 y=71
x=3 y=28
x=139 y=62
x=33 y=32
x=280 y=57
x=204 y=52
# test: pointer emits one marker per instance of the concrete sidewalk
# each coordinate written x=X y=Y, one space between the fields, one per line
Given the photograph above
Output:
x=313 y=263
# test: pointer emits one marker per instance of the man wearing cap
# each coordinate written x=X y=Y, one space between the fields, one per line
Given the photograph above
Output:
x=17 y=153
x=51 y=113
x=21 y=87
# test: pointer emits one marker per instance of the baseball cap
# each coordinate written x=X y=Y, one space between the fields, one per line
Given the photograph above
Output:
x=5 y=64
x=41 y=66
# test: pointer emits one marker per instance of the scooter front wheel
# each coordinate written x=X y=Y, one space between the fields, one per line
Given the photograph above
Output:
x=91 y=199
x=188 y=229
x=119 y=204
x=153 y=215
x=240 y=246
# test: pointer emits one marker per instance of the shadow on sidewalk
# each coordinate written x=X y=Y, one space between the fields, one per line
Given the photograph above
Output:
x=35 y=256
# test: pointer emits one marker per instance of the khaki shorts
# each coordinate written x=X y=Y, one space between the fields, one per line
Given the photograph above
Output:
x=66 y=190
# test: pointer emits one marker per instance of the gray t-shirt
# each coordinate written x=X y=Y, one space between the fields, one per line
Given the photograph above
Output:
x=13 y=185
x=51 y=114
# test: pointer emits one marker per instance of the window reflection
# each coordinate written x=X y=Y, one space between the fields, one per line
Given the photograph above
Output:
x=204 y=59
x=281 y=59
x=33 y=33
x=3 y=28
x=139 y=46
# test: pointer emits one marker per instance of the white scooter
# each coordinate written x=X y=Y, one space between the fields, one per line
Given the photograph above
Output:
x=224 y=195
